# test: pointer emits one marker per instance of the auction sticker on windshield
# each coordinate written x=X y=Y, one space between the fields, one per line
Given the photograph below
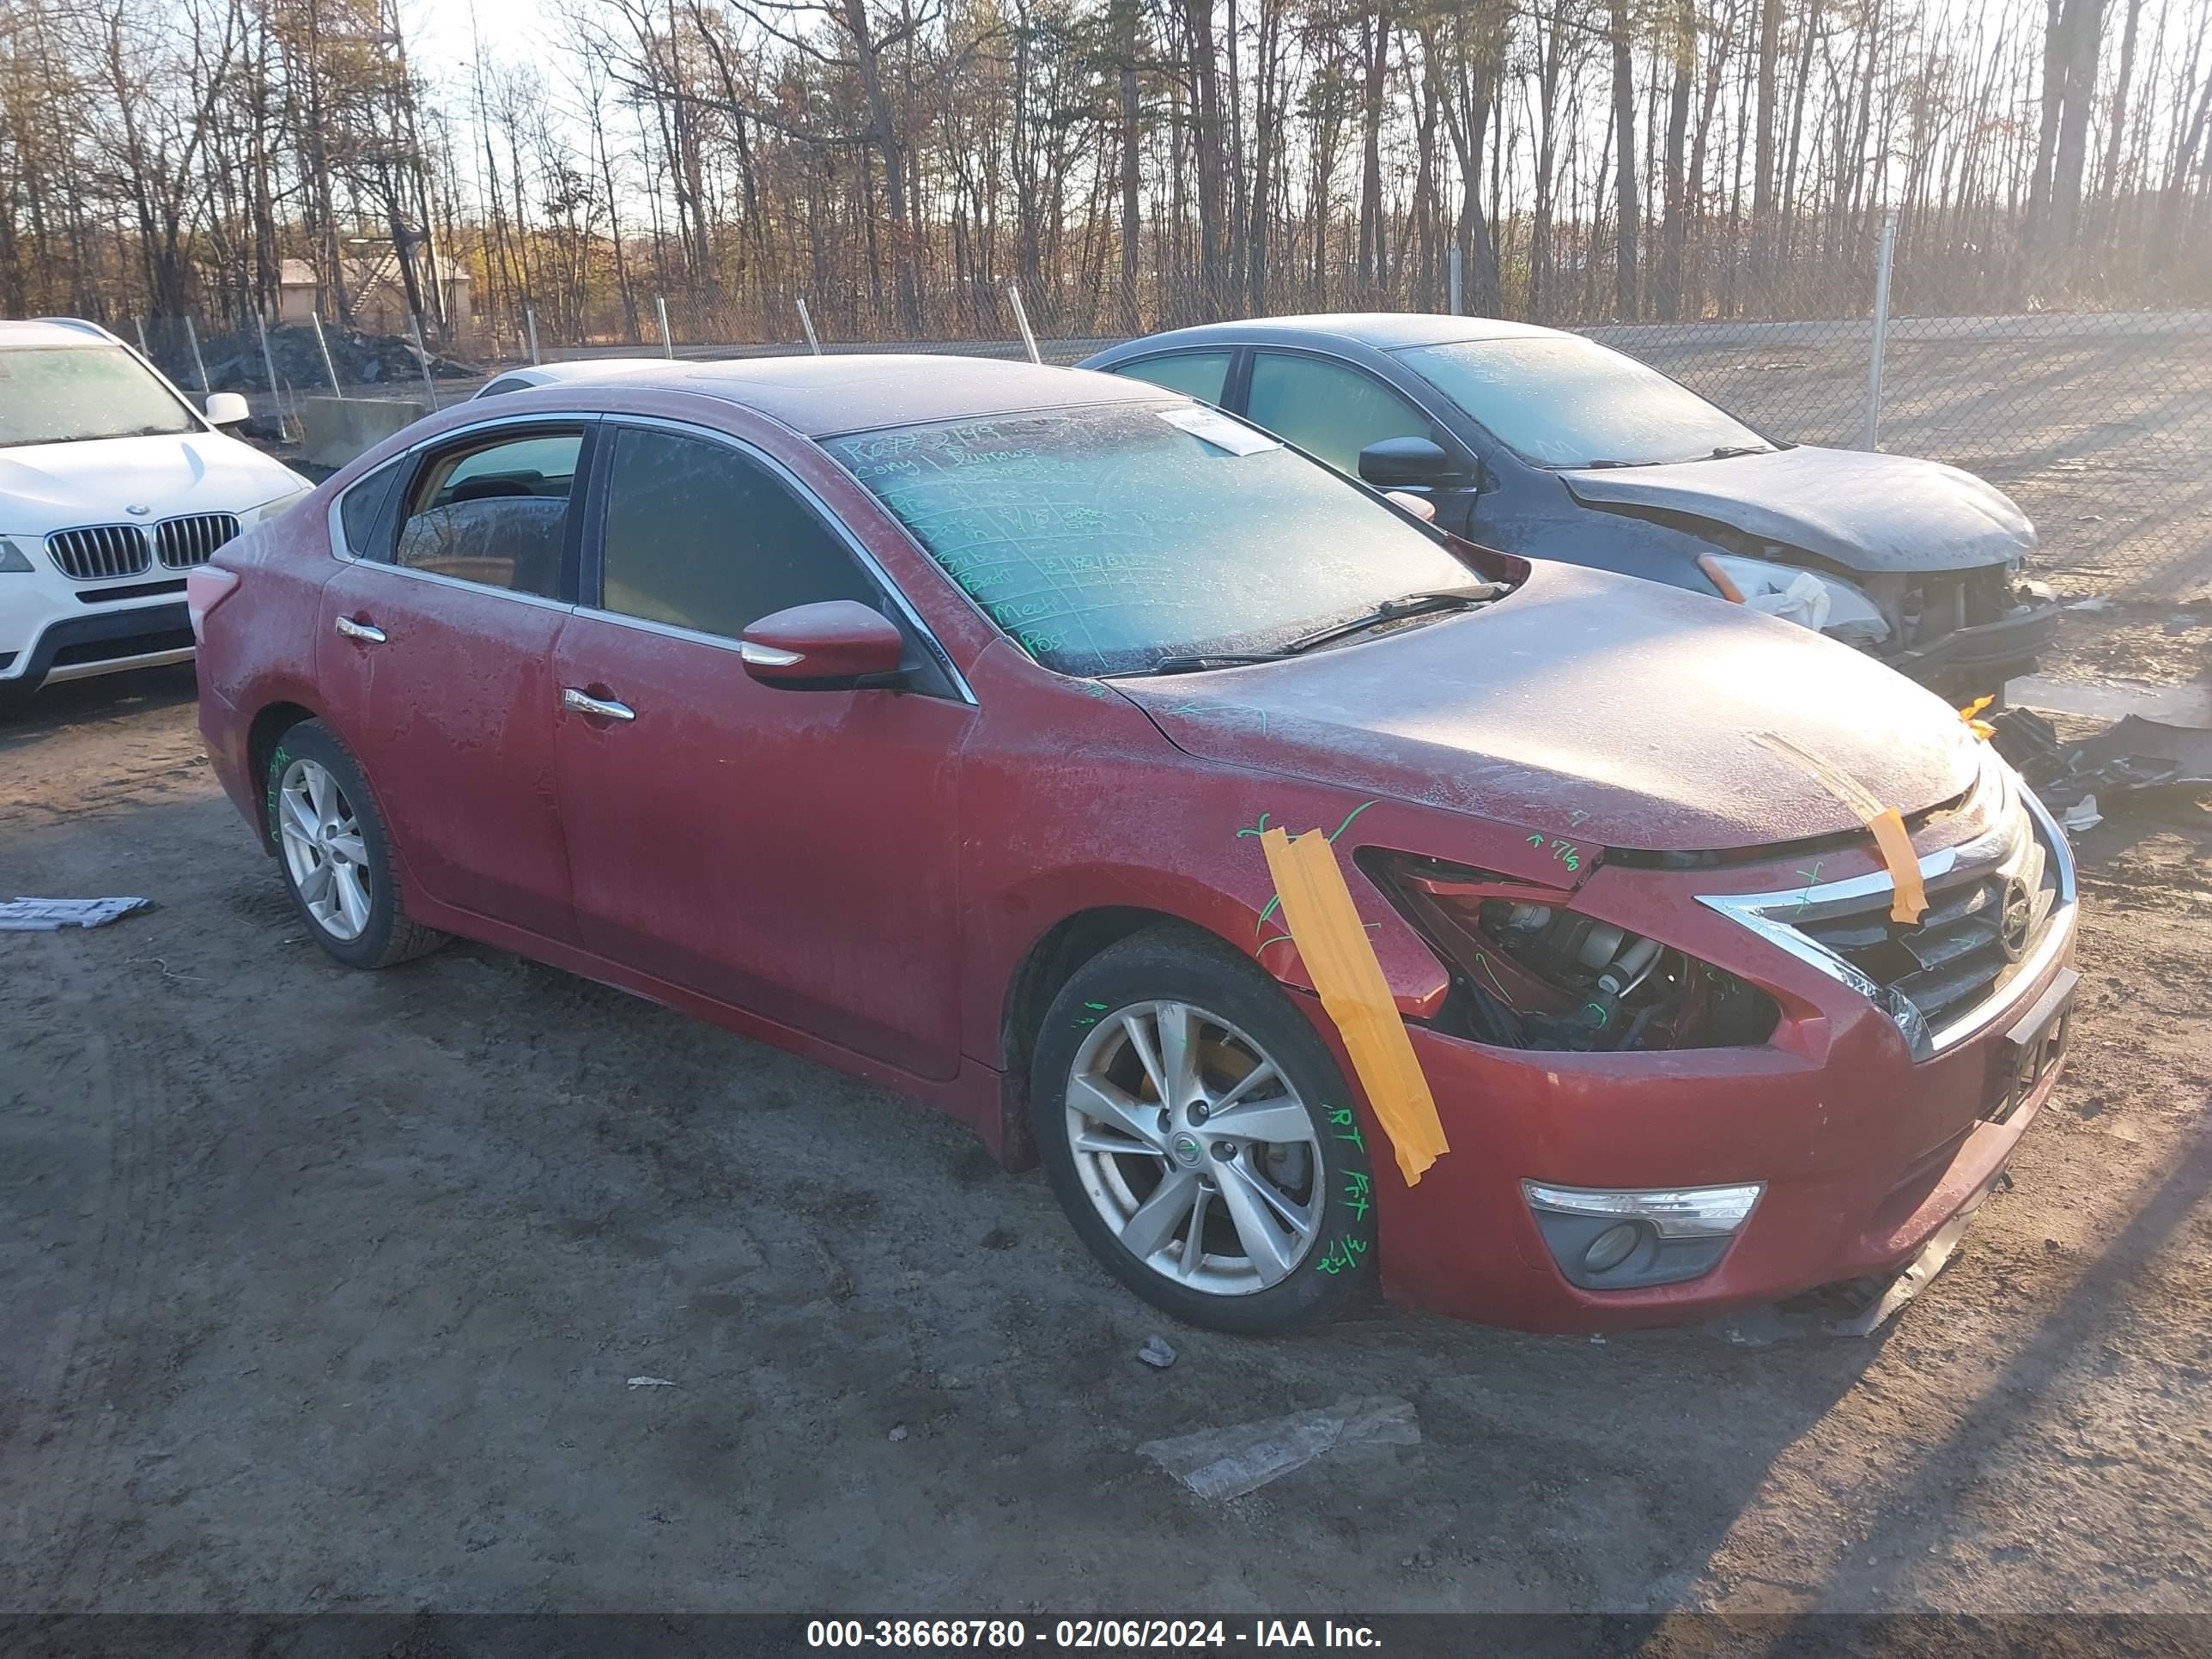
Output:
x=1219 y=430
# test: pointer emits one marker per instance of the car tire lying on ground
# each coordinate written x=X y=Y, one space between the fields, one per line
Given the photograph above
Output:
x=1199 y=1134
x=336 y=857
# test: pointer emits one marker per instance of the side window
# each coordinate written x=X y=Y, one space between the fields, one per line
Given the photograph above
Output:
x=362 y=506
x=699 y=537
x=1199 y=374
x=494 y=511
x=1328 y=409
x=505 y=383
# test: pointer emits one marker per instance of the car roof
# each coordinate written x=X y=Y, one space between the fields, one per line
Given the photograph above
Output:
x=860 y=391
x=52 y=332
x=580 y=368
x=1381 y=330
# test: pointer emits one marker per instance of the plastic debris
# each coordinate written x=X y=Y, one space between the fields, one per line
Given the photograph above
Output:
x=44 y=916
x=1229 y=1462
x=2132 y=754
x=1157 y=1352
x=651 y=1383
x=2092 y=605
x=2082 y=815
x=897 y=1434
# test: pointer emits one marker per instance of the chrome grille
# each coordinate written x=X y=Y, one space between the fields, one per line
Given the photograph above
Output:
x=100 y=552
x=1993 y=906
x=187 y=542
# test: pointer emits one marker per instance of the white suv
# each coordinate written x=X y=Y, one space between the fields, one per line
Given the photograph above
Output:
x=112 y=487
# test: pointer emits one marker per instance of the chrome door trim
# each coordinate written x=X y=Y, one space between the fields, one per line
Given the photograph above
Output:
x=823 y=510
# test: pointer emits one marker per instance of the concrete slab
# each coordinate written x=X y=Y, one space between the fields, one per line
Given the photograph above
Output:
x=333 y=430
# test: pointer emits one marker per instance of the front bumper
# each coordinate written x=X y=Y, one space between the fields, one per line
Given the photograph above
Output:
x=102 y=642
x=1968 y=661
x=1866 y=1153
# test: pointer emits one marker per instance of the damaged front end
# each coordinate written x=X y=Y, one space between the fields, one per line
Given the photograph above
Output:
x=1960 y=632
x=1529 y=971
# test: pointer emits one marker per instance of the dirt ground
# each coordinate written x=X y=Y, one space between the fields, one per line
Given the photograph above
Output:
x=321 y=1290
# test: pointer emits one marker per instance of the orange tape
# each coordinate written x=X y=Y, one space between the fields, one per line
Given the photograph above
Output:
x=1909 y=902
x=1324 y=924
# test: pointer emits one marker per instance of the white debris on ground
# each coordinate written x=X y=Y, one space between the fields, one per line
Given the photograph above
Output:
x=1228 y=1462
x=651 y=1383
x=45 y=915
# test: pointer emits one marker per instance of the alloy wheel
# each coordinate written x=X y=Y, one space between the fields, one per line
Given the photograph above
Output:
x=1194 y=1147
x=323 y=849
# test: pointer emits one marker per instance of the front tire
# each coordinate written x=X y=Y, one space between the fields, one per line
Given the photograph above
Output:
x=337 y=860
x=1200 y=1138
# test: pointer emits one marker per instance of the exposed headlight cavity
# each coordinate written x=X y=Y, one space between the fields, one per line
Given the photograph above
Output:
x=12 y=559
x=1531 y=973
x=1826 y=603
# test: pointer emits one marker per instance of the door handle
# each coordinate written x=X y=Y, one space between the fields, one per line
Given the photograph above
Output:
x=583 y=702
x=368 y=633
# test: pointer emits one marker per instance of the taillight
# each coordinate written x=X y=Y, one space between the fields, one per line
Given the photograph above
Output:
x=206 y=588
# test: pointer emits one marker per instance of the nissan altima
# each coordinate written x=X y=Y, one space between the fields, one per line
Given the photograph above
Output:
x=940 y=719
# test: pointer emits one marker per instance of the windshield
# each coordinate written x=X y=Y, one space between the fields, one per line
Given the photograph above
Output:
x=1105 y=538
x=1566 y=401
x=66 y=394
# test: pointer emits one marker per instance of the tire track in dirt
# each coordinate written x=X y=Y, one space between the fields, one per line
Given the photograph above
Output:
x=72 y=1429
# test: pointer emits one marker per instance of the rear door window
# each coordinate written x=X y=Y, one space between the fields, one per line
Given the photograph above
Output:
x=1199 y=375
x=1329 y=409
x=361 y=508
x=495 y=511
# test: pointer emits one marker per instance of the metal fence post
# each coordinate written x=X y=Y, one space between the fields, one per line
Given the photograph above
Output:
x=667 y=340
x=139 y=323
x=1880 y=330
x=269 y=369
x=1457 y=309
x=806 y=322
x=193 y=335
x=415 y=326
x=1022 y=321
x=530 y=326
x=323 y=346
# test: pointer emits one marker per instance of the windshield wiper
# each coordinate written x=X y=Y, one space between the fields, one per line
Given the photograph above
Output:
x=1724 y=451
x=1194 y=664
x=1597 y=465
x=1390 y=610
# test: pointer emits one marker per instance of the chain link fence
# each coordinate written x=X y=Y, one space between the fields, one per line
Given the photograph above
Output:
x=2098 y=423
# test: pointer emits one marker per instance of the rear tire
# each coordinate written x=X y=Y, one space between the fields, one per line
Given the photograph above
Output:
x=1243 y=1201
x=336 y=857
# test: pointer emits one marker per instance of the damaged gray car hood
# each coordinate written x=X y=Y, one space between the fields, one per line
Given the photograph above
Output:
x=1860 y=511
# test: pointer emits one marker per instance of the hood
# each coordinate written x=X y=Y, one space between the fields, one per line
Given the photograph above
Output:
x=1860 y=510
x=1622 y=711
x=49 y=487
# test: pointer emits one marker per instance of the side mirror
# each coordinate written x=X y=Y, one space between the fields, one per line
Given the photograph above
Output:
x=835 y=645
x=226 y=408
x=1403 y=463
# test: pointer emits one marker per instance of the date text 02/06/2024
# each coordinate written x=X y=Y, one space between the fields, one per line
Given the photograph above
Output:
x=1087 y=1635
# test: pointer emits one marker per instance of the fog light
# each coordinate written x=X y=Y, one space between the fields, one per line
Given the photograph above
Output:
x=1610 y=1247
x=1617 y=1240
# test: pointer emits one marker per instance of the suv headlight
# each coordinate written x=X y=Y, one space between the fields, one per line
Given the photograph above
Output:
x=12 y=558
x=277 y=508
x=1828 y=605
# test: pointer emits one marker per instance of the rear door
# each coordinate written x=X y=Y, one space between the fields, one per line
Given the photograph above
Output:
x=793 y=853
x=436 y=653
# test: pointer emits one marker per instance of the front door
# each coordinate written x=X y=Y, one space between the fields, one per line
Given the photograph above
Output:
x=793 y=853
x=1334 y=410
x=437 y=655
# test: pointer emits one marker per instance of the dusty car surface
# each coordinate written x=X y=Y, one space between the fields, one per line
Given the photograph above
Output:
x=1550 y=444
x=930 y=717
x=581 y=371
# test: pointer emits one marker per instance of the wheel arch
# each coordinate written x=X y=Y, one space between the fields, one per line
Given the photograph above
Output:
x=270 y=722
x=1053 y=958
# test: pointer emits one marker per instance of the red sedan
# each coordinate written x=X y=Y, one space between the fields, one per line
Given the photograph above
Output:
x=930 y=717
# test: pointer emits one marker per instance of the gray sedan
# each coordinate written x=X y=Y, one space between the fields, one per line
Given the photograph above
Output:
x=1551 y=444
